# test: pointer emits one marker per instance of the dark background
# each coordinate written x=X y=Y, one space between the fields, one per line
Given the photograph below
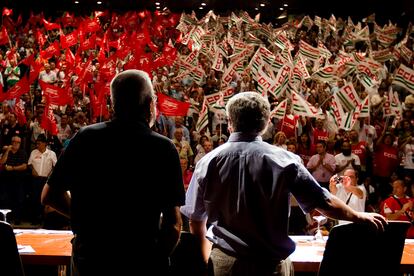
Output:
x=398 y=11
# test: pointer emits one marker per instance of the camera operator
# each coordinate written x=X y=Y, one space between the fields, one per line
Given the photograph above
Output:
x=347 y=189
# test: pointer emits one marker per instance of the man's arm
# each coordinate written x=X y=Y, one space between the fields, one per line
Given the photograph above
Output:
x=199 y=229
x=170 y=230
x=57 y=199
x=337 y=209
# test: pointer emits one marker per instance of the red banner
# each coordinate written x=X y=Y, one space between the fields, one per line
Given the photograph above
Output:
x=50 y=26
x=4 y=37
x=171 y=107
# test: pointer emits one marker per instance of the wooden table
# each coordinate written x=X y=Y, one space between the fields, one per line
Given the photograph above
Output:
x=54 y=248
x=51 y=248
x=308 y=255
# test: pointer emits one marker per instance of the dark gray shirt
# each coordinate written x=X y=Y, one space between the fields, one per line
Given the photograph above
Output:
x=243 y=190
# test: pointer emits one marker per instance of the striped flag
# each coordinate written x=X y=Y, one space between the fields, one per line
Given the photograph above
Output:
x=382 y=55
x=202 y=121
x=220 y=104
x=364 y=108
x=280 y=110
x=348 y=96
x=303 y=107
x=368 y=82
x=336 y=111
x=308 y=51
x=326 y=74
x=350 y=118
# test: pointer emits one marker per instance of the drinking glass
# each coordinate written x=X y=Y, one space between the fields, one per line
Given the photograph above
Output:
x=320 y=220
x=5 y=212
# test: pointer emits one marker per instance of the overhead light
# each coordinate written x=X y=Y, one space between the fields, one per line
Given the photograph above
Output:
x=157 y=3
x=158 y=7
x=200 y=8
x=285 y=5
x=281 y=9
x=262 y=5
x=203 y=4
x=76 y=2
x=256 y=9
x=99 y=2
x=165 y=8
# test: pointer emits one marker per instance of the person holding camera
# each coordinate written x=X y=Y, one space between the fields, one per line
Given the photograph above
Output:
x=347 y=189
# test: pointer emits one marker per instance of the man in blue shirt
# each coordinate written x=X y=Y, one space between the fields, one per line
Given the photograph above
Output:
x=242 y=189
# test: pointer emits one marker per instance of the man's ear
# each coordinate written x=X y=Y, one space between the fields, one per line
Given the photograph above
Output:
x=230 y=125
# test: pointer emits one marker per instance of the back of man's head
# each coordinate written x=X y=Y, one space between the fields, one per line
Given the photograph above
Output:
x=248 y=112
x=131 y=93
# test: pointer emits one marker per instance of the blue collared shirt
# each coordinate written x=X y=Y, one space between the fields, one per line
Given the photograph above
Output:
x=243 y=188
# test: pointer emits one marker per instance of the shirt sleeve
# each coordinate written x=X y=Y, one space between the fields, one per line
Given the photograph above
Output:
x=194 y=207
x=307 y=191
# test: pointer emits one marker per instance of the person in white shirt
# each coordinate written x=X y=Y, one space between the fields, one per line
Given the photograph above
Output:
x=41 y=161
x=346 y=159
x=348 y=190
x=47 y=75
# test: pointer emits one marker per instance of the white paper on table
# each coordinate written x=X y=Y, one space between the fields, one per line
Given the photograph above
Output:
x=409 y=241
x=41 y=231
x=25 y=249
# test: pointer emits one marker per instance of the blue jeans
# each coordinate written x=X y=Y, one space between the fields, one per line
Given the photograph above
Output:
x=222 y=264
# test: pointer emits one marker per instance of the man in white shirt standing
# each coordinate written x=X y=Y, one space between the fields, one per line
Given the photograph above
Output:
x=348 y=190
x=41 y=161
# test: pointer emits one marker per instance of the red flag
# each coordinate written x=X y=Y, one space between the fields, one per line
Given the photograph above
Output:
x=55 y=95
x=70 y=58
x=172 y=107
x=88 y=43
x=41 y=38
x=21 y=87
x=69 y=40
x=11 y=54
x=52 y=50
x=7 y=12
x=50 y=26
x=49 y=121
x=91 y=25
x=34 y=71
x=19 y=111
x=19 y=20
x=4 y=37
x=28 y=60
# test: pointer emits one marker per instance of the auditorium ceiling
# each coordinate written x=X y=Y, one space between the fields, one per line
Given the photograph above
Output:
x=395 y=10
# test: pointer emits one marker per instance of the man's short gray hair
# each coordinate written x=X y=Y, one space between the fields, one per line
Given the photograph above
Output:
x=131 y=93
x=249 y=112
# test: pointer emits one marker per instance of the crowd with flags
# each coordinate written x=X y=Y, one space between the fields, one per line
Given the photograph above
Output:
x=347 y=76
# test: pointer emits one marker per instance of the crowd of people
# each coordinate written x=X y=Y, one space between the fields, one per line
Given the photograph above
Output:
x=340 y=92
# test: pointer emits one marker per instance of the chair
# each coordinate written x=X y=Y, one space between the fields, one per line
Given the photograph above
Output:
x=358 y=249
x=186 y=259
x=10 y=262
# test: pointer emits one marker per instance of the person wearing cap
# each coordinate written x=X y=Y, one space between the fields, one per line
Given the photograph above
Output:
x=41 y=162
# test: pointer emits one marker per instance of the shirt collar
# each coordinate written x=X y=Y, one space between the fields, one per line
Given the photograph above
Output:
x=244 y=137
